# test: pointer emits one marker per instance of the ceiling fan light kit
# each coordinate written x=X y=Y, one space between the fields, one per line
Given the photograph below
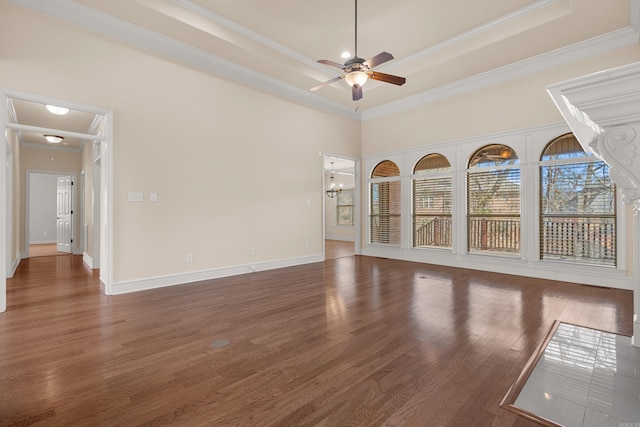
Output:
x=358 y=71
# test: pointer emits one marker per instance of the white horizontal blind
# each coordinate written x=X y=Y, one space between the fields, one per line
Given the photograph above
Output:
x=493 y=211
x=578 y=213
x=432 y=200
x=385 y=212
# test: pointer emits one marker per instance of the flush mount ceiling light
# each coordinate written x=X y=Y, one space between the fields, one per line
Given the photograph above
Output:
x=53 y=139
x=59 y=111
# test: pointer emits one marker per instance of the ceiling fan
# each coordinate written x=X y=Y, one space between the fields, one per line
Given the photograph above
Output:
x=358 y=71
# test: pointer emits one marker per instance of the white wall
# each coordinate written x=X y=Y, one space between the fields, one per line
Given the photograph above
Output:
x=43 y=189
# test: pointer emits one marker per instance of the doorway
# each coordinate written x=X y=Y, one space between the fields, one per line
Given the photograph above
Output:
x=26 y=128
x=341 y=207
x=50 y=223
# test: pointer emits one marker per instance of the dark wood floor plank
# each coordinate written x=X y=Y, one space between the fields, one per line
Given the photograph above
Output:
x=353 y=341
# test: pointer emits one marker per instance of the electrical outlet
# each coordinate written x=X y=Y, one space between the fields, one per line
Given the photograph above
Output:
x=253 y=251
x=189 y=258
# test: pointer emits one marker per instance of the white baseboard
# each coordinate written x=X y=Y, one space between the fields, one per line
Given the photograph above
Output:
x=216 y=273
x=86 y=258
x=583 y=274
x=42 y=242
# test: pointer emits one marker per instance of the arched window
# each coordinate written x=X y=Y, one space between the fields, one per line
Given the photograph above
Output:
x=493 y=201
x=577 y=205
x=384 y=218
x=432 y=200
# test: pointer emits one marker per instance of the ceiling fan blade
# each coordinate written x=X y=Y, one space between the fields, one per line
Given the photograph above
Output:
x=357 y=92
x=330 y=63
x=380 y=58
x=327 y=83
x=387 y=78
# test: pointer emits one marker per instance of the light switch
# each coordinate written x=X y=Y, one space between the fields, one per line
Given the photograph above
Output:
x=153 y=197
x=136 y=197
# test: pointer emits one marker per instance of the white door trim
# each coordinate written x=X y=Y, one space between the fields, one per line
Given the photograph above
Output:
x=106 y=222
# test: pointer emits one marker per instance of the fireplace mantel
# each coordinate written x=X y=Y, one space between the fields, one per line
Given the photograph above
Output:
x=603 y=111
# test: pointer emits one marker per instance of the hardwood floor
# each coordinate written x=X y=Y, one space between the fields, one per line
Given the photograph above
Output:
x=44 y=249
x=337 y=249
x=355 y=341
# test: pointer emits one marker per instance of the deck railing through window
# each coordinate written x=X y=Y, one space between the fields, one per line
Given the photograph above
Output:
x=432 y=231
x=494 y=234
x=587 y=240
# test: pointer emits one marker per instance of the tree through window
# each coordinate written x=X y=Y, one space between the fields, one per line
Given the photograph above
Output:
x=577 y=205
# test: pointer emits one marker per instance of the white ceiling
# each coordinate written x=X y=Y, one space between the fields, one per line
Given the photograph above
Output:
x=441 y=47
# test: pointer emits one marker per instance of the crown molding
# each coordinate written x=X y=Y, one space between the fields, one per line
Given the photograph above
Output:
x=214 y=17
x=97 y=21
x=94 y=20
x=474 y=32
x=614 y=40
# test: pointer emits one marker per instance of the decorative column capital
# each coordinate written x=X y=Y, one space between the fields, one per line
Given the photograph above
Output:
x=619 y=147
x=603 y=111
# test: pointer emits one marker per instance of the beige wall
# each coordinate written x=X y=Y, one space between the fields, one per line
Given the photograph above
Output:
x=233 y=167
x=514 y=104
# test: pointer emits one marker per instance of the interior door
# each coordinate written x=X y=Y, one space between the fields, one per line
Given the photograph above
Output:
x=64 y=214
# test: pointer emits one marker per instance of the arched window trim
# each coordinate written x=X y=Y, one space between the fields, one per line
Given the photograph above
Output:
x=515 y=163
x=399 y=175
x=448 y=170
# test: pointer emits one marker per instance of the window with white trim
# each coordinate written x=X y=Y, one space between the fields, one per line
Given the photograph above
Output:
x=577 y=205
x=344 y=207
x=431 y=202
x=384 y=215
x=493 y=201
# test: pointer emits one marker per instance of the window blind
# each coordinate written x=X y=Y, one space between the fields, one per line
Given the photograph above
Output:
x=432 y=200
x=493 y=211
x=385 y=212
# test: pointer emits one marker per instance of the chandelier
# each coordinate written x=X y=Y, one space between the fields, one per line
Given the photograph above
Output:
x=332 y=191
